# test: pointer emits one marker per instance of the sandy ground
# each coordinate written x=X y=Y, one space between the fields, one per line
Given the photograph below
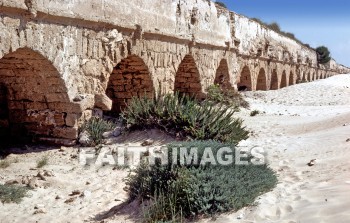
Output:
x=296 y=124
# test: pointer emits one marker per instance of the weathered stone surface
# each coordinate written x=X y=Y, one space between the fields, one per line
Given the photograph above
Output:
x=103 y=102
x=69 y=60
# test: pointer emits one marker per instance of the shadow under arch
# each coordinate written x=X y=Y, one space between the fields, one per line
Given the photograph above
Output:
x=34 y=103
x=222 y=77
x=283 y=80
x=187 y=78
x=130 y=78
x=245 y=81
x=261 y=83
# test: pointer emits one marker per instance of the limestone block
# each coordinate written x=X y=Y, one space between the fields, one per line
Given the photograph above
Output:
x=103 y=102
x=65 y=132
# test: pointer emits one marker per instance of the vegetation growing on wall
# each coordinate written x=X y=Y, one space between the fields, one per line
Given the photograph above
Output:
x=276 y=27
x=221 y=4
x=323 y=55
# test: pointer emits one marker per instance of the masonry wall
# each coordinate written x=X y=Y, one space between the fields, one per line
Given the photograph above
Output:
x=63 y=61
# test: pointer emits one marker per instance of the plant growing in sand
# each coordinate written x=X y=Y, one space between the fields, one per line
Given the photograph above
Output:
x=254 y=113
x=95 y=127
x=228 y=97
x=4 y=164
x=176 y=191
x=183 y=116
x=42 y=162
x=12 y=193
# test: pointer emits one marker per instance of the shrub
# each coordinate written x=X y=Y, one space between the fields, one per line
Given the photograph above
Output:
x=192 y=190
x=254 y=113
x=12 y=193
x=227 y=97
x=323 y=54
x=221 y=4
x=4 y=164
x=96 y=126
x=42 y=162
x=183 y=116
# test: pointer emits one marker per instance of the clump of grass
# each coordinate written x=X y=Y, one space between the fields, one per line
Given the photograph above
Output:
x=254 y=113
x=42 y=162
x=228 y=97
x=4 y=164
x=183 y=116
x=12 y=193
x=177 y=191
x=96 y=126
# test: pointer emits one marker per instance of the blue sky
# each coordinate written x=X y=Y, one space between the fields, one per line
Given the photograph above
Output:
x=316 y=22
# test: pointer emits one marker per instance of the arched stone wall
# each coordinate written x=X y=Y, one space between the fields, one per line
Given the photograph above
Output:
x=130 y=78
x=187 y=79
x=34 y=99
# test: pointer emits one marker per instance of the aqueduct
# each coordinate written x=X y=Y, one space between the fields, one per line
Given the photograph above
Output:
x=61 y=60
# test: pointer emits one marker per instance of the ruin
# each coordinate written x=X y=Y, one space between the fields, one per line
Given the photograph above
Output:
x=61 y=61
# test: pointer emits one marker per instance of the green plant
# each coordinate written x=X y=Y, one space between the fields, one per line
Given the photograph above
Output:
x=96 y=126
x=12 y=193
x=228 y=97
x=190 y=190
x=254 y=113
x=323 y=54
x=4 y=164
x=42 y=162
x=221 y=4
x=276 y=27
x=183 y=116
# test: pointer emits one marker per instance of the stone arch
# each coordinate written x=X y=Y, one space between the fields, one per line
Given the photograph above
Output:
x=187 y=79
x=291 y=78
x=261 y=83
x=222 y=77
x=34 y=102
x=274 y=80
x=130 y=78
x=245 y=80
x=283 y=80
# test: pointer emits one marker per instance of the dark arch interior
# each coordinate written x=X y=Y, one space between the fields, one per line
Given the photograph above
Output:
x=222 y=77
x=261 y=81
x=245 y=82
x=33 y=99
x=130 y=78
x=283 y=80
x=187 y=79
x=291 y=78
x=274 y=80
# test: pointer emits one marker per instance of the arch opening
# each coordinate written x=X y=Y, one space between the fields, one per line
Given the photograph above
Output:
x=187 y=79
x=130 y=78
x=245 y=81
x=274 y=80
x=304 y=77
x=34 y=104
x=291 y=78
x=283 y=80
x=261 y=84
x=222 y=77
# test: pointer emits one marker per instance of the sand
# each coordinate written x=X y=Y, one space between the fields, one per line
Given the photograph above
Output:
x=296 y=124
